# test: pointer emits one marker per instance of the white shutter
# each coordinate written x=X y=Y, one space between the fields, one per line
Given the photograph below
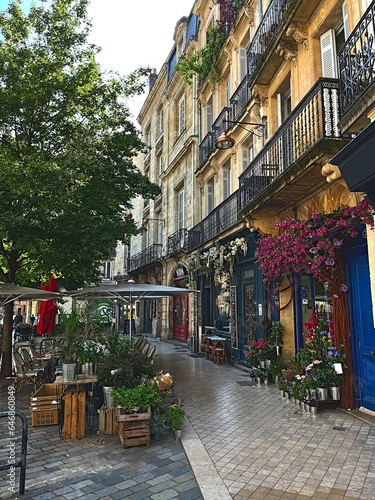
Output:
x=181 y=121
x=345 y=19
x=328 y=52
x=181 y=209
x=226 y=183
x=209 y=118
x=210 y=196
x=279 y=109
x=242 y=64
x=245 y=158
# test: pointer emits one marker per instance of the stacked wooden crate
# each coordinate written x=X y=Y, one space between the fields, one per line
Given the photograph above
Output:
x=74 y=414
x=108 y=420
x=134 y=428
x=44 y=404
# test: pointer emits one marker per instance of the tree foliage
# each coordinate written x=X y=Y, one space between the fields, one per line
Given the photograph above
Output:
x=67 y=150
x=67 y=147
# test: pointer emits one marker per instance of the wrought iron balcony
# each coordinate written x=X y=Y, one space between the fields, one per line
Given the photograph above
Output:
x=149 y=256
x=223 y=217
x=240 y=99
x=312 y=121
x=206 y=147
x=266 y=31
x=356 y=61
x=177 y=241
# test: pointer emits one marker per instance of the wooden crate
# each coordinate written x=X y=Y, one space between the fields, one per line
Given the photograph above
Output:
x=74 y=414
x=45 y=416
x=134 y=428
x=47 y=395
x=108 y=421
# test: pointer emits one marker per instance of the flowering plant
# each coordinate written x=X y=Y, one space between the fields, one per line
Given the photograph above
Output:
x=310 y=245
x=219 y=259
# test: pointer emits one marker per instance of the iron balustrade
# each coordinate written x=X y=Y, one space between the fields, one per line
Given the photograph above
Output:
x=177 y=241
x=146 y=257
x=315 y=118
x=206 y=147
x=266 y=31
x=223 y=217
x=356 y=61
x=240 y=99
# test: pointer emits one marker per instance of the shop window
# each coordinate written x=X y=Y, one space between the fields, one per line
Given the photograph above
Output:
x=222 y=309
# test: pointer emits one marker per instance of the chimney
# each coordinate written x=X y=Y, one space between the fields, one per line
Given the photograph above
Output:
x=152 y=79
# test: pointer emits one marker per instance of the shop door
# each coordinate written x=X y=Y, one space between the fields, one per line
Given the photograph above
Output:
x=180 y=318
x=363 y=330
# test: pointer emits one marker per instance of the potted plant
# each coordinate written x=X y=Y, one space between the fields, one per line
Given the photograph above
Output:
x=70 y=327
x=176 y=416
x=137 y=399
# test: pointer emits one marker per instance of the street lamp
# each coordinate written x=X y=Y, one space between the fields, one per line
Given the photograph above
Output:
x=225 y=141
x=143 y=226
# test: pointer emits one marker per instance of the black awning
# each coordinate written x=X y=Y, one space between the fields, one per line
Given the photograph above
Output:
x=357 y=161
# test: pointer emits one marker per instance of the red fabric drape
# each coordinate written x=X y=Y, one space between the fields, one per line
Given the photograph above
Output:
x=48 y=310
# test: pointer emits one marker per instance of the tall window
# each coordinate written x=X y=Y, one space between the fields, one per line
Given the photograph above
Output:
x=181 y=115
x=210 y=190
x=160 y=122
x=148 y=136
x=181 y=210
x=247 y=154
x=160 y=169
x=284 y=104
x=228 y=91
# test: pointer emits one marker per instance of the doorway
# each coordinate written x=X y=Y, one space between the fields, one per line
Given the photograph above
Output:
x=180 y=318
x=362 y=328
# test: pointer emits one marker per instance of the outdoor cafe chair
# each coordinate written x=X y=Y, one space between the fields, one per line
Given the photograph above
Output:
x=23 y=375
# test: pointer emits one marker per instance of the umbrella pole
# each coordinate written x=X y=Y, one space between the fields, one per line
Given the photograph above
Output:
x=130 y=320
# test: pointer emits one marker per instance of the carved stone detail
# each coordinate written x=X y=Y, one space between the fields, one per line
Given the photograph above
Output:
x=250 y=15
x=288 y=52
x=261 y=92
x=331 y=172
x=299 y=33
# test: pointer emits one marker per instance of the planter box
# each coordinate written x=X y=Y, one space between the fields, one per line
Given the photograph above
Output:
x=44 y=404
x=46 y=416
x=108 y=421
x=134 y=428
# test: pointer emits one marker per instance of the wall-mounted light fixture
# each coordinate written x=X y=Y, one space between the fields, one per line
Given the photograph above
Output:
x=143 y=227
x=225 y=141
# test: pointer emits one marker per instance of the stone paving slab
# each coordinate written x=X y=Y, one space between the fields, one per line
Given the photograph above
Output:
x=240 y=441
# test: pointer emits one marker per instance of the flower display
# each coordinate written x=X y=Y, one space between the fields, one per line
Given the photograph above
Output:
x=219 y=260
x=311 y=245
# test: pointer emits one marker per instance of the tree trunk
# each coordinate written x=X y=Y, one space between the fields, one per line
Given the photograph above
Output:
x=6 y=365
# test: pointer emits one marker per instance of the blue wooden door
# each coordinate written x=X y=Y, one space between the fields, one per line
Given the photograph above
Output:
x=363 y=331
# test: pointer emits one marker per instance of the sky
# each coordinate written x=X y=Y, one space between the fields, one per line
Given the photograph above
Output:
x=132 y=33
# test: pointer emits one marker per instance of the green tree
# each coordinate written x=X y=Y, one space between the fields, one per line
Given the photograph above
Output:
x=67 y=149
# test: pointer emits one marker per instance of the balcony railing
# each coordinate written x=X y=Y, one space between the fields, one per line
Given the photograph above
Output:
x=314 y=119
x=223 y=217
x=177 y=241
x=265 y=32
x=147 y=257
x=356 y=61
x=206 y=147
x=240 y=99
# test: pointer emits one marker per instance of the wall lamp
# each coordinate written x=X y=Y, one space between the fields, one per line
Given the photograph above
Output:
x=143 y=227
x=225 y=141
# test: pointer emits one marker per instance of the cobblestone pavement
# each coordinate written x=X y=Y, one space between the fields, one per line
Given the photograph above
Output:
x=240 y=441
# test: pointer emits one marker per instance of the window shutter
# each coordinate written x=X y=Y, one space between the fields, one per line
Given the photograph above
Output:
x=210 y=196
x=345 y=19
x=181 y=209
x=245 y=158
x=328 y=52
x=242 y=64
x=209 y=120
x=226 y=183
x=279 y=109
x=181 y=116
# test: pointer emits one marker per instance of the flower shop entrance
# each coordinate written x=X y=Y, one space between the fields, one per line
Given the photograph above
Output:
x=362 y=327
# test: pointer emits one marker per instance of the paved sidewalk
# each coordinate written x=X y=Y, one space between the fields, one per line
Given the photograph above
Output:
x=240 y=441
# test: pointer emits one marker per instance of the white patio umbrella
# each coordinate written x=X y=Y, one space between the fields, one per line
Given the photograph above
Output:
x=10 y=292
x=128 y=292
